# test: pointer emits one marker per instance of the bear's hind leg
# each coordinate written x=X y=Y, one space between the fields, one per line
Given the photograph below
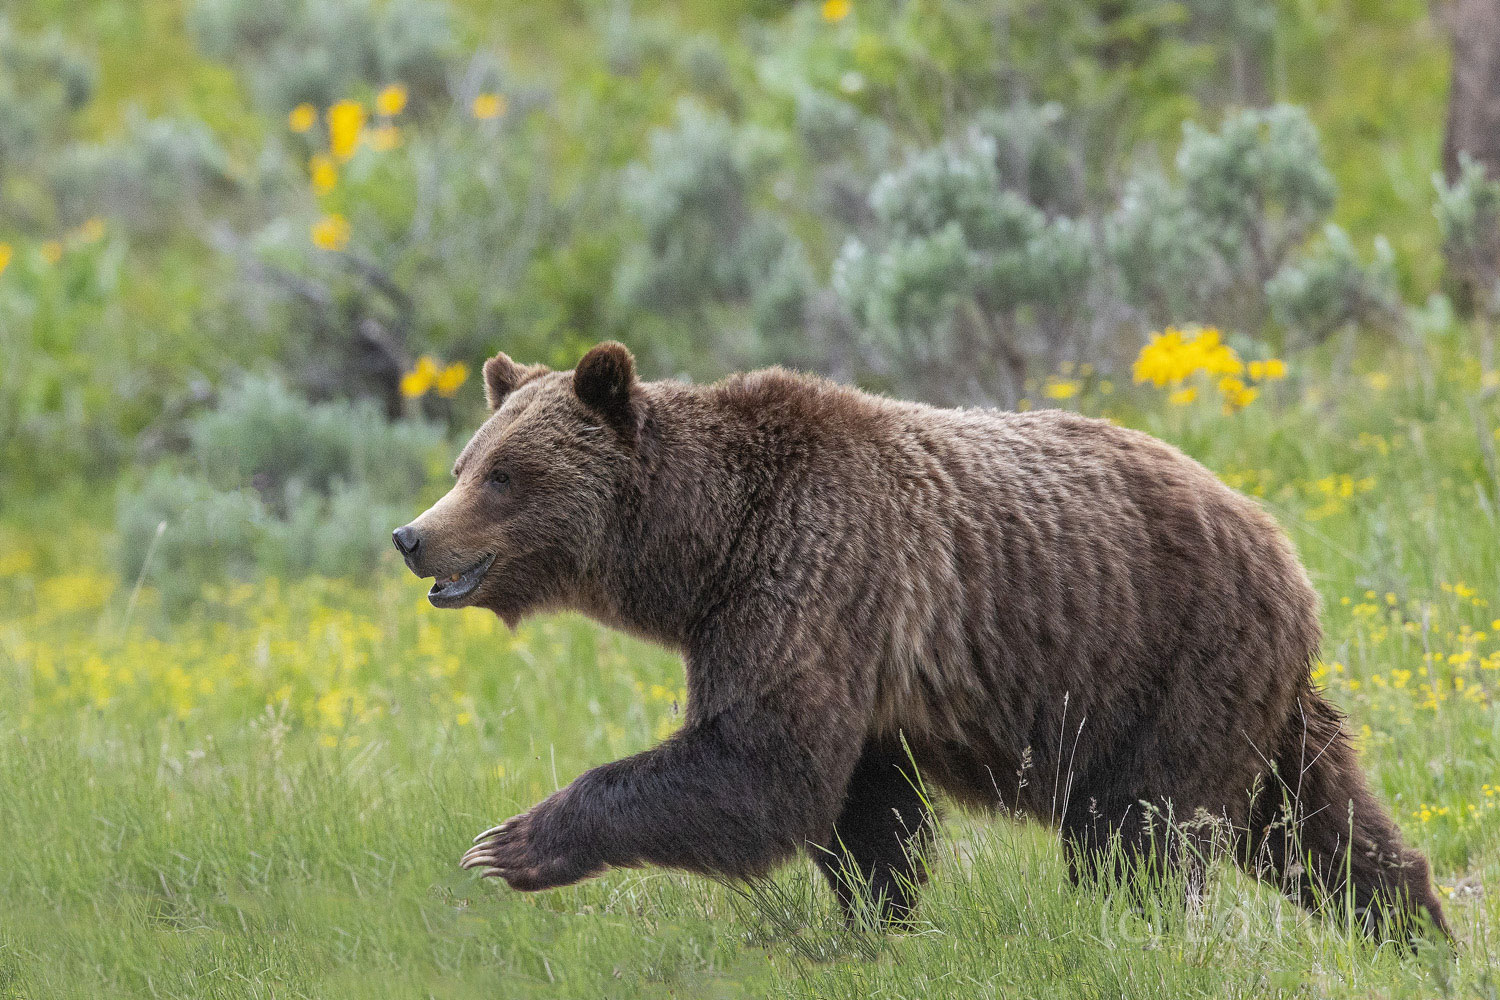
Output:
x=1308 y=816
x=1125 y=843
x=875 y=854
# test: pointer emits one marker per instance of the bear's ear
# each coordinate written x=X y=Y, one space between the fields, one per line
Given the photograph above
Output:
x=605 y=382
x=502 y=376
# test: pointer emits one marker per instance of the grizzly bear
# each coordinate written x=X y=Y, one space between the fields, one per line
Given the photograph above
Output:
x=876 y=599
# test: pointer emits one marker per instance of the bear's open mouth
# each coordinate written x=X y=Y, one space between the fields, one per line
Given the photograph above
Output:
x=450 y=591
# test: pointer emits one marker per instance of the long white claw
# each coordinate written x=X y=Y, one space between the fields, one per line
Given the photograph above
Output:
x=491 y=872
x=490 y=832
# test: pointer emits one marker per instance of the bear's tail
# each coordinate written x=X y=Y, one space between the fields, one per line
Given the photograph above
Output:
x=1312 y=809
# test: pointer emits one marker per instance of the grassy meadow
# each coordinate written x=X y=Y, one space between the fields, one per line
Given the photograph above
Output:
x=269 y=798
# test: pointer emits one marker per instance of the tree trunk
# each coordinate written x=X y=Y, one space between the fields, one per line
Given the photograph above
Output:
x=1474 y=98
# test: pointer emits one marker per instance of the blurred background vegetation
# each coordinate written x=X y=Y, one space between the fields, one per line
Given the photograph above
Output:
x=252 y=253
x=224 y=221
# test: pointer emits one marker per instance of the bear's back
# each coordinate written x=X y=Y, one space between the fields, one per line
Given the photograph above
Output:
x=976 y=550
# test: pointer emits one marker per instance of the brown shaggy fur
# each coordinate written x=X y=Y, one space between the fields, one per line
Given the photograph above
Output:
x=858 y=585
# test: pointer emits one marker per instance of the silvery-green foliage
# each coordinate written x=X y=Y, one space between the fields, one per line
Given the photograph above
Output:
x=261 y=432
x=1259 y=184
x=847 y=150
x=1468 y=214
x=319 y=51
x=962 y=277
x=829 y=127
x=209 y=534
x=1244 y=200
x=706 y=240
x=415 y=45
x=904 y=298
x=1332 y=288
x=632 y=42
x=701 y=58
x=778 y=307
x=273 y=481
x=42 y=82
x=1161 y=253
x=1034 y=154
x=156 y=172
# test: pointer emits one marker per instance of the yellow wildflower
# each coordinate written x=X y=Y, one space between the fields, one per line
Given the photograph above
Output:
x=391 y=100
x=1182 y=397
x=421 y=378
x=331 y=232
x=1058 y=388
x=385 y=138
x=1237 y=395
x=323 y=172
x=346 y=120
x=448 y=382
x=835 y=11
x=487 y=106
x=6 y=253
x=302 y=118
x=1275 y=369
x=1173 y=356
x=1379 y=381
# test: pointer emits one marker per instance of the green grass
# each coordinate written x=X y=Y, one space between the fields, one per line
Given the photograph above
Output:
x=269 y=797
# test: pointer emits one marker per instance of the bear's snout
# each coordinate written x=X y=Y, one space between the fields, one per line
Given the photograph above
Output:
x=407 y=541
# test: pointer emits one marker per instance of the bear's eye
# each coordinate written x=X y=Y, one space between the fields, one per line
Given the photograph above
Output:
x=499 y=477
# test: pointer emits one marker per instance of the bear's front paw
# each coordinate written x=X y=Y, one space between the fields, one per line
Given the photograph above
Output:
x=518 y=852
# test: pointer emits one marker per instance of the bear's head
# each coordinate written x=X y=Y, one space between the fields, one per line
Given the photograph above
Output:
x=538 y=488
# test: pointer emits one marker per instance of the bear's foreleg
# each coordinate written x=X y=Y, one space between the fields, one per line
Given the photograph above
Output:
x=729 y=795
x=875 y=855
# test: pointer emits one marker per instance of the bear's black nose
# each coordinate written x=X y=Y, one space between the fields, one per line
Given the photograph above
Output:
x=407 y=540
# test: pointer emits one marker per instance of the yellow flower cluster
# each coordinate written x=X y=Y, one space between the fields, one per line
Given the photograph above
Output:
x=431 y=375
x=1175 y=356
x=51 y=251
x=1335 y=492
x=331 y=232
x=391 y=101
x=346 y=120
x=347 y=131
x=1447 y=666
x=487 y=106
x=1061 y=388
x=835 y=11
x=302 y=118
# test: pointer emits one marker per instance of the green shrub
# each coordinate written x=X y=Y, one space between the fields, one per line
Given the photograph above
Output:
x=272 y=482
x=1258 y=184
x=709 y=246
x=321 y=51
x=156 y=176
x=1468 y=214
x=43 y=81
x=263 y=435
x=963 y=282
x=1245 y=199
x=1331 y=289
x=192 y=533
